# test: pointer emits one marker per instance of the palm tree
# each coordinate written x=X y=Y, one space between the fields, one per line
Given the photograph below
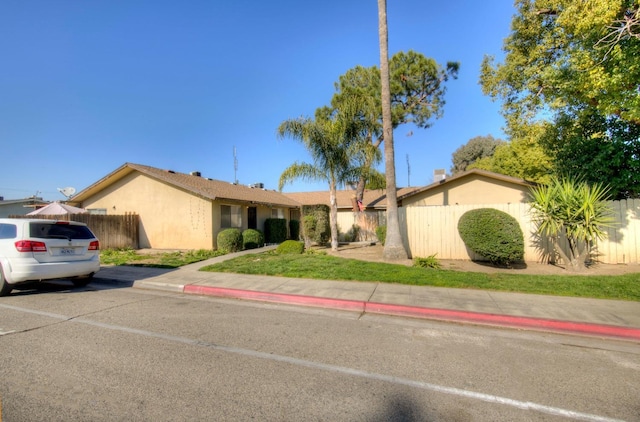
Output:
x=330 y=139
x=393 y=247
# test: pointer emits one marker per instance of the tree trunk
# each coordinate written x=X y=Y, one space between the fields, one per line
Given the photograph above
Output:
x=333 y=216
x=393 y=247
x=360 y=188
x=573 y=263
x=578 y=261
x=362 y=181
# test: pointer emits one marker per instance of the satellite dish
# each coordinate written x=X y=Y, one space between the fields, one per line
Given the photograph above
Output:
x=68 y=191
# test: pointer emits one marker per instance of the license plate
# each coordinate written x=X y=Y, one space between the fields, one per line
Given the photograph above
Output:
x=67 y=251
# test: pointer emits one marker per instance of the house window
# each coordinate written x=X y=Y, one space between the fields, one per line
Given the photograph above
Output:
x=277 y=213
x=231 y=216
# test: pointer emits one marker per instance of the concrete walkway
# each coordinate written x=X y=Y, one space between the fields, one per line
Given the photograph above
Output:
x=592 y=317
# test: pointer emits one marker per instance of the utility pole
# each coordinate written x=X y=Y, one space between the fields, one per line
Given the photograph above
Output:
x=408 y=172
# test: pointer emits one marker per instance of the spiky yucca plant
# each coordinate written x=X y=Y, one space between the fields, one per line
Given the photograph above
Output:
x=572 y=209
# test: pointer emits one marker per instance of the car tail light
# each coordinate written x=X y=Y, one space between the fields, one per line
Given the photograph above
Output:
x=94 y=245
x=30 y=246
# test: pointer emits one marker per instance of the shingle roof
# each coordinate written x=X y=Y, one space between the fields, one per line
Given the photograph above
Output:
x=201 y=186
x=26 y=201
x=374 y=198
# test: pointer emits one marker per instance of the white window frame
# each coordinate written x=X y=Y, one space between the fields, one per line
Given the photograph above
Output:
x=277 y=213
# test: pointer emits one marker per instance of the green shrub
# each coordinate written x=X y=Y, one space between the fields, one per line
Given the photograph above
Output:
x=229 y=240
x=294 y=229
x=429 y=262
x=492 y=234
x=252 y=238
x=308 y=228
x=290 y=247
x=381 y=233
x=275 y=230
x=315 y=224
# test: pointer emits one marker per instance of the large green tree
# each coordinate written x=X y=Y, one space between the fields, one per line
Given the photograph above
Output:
x=556 y=58
x=522 y=157
x=475 y=149
x=575 y=65
x=329 y=139
x=599 y=150
x=417 y=87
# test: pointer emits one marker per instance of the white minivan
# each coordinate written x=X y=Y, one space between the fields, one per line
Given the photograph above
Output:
x=39 y=249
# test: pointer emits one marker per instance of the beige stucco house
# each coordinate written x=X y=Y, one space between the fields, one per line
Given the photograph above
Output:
x=180 y=210
x=470 y=187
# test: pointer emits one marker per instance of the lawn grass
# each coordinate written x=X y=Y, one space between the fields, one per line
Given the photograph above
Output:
x=316 y=266
x=173 y=259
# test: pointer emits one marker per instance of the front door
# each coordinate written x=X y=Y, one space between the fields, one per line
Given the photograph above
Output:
x=252 y=218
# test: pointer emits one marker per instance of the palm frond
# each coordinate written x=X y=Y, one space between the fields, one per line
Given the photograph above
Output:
x=303 y=171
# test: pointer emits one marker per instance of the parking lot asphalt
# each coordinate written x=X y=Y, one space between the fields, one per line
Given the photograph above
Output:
x=588 y=317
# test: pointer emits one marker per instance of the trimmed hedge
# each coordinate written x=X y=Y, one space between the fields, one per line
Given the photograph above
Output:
x=294 y=229
x=252 y=239
x=493 y=234
x=290 y=247
x=229 y=240
x=381 y=234
x=275 y=230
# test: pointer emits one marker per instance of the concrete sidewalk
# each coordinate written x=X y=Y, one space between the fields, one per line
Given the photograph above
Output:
x=593 y=317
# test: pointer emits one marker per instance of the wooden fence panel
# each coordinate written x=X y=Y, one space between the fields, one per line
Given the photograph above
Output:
x=432 y=230
x=113 y=231
x=622 y=243
x=368 y=221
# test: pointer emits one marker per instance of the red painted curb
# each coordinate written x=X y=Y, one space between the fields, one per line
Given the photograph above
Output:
x=349 y=305
x=478 y=318
x=542 y=324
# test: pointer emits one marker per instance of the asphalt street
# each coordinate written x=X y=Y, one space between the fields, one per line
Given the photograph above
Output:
x=578 y=316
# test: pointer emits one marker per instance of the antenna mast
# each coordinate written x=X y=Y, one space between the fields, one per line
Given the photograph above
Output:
x=408 y=171
x=235 y=165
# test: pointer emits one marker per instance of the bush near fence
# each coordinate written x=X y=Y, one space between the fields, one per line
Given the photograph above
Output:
x=113 y=231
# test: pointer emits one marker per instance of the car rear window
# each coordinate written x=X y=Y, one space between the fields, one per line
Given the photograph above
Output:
x=8 y=231
x=59 y=231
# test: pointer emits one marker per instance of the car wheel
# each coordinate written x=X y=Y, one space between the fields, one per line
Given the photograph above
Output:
x=5 y=288
x=82 y=281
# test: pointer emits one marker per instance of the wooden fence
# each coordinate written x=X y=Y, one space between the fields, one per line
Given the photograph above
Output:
x=113 y=231
x=366 y=221
x=434 y=230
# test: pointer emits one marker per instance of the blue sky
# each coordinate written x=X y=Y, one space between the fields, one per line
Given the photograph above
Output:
x=86 y=86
